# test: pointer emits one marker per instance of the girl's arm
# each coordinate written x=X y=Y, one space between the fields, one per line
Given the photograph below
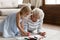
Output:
x=20 y=26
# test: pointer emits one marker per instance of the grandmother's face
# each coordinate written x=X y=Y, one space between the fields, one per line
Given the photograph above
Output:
x=35 y=17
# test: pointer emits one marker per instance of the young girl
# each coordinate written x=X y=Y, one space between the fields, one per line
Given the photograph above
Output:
x=13 y=24
x=35 y=22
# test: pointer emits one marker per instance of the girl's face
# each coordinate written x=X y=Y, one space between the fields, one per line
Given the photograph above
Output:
x=34 y=17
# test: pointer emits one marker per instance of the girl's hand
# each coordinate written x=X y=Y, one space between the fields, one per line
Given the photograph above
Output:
x=25 y=34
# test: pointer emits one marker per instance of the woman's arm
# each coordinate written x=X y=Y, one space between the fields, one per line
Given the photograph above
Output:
x=40 y=26
x=40 y=30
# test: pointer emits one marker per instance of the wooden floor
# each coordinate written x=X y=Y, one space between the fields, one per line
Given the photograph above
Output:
x=52 y=32
x=49 y=26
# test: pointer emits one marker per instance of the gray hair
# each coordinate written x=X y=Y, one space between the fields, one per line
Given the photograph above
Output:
x=39 y=11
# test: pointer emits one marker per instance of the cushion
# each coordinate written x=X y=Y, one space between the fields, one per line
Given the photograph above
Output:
x=8 y=11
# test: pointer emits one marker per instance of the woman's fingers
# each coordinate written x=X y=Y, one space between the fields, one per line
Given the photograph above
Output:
x=43 y=33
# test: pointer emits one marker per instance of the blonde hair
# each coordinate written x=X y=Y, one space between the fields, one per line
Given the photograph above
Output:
x=24 y=10
x=38 y=11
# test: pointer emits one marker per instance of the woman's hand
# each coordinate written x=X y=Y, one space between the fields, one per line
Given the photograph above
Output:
x=43 y=33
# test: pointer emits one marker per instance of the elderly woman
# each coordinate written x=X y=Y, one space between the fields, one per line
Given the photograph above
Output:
x=35 y=21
